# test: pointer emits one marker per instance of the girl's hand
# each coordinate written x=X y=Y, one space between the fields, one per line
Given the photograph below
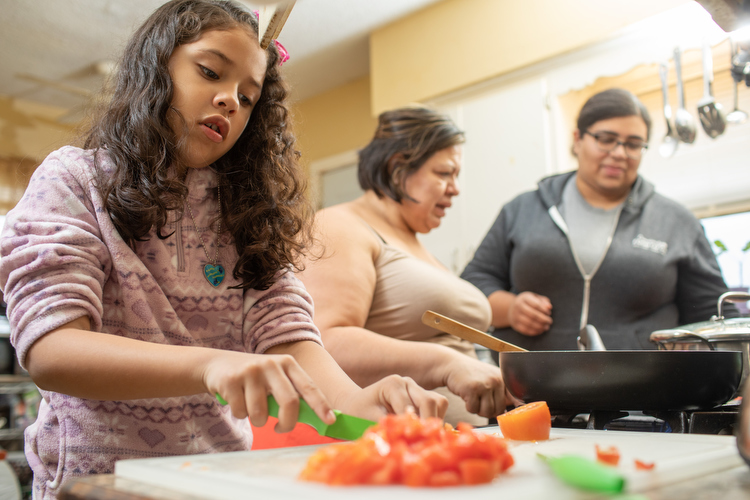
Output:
x=530 y=314
x=246 y=380
x=394 y=394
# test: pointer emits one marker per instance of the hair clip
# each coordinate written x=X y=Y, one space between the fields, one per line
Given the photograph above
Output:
x=283 y=53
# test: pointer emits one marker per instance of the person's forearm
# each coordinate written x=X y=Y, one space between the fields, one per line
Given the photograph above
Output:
x=100 y=366
x=368 y=357
x=500 y=303
x=321 y=368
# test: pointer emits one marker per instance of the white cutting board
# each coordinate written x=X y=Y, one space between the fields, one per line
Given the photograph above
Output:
x=272 y=473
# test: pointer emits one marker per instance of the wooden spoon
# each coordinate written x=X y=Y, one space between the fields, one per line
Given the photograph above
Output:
x=447 y=325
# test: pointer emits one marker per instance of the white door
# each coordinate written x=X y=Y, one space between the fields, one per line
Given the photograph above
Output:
x=506 y=153
x=339 y=186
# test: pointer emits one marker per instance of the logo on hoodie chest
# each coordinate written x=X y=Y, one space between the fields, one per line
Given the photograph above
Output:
x=655 y=246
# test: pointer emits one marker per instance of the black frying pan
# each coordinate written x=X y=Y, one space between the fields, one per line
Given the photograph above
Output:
x=610 y=380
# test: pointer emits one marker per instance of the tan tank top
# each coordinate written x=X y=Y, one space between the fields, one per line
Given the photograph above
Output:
x=405 y=288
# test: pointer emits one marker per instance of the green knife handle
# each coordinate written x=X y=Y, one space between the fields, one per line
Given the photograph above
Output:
x=306 y=414
x=584 y=473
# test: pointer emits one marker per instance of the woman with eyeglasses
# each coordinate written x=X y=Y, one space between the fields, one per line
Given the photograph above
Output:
x=597 y=246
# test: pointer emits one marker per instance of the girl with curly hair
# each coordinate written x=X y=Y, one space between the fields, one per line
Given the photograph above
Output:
x=154 y=268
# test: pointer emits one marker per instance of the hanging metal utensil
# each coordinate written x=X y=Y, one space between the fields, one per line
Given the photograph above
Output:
x=683 y=120
x=709 y=111
x=670 y=142
x=737 y=116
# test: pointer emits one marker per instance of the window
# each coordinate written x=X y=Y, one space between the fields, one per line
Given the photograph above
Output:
x=729 y=236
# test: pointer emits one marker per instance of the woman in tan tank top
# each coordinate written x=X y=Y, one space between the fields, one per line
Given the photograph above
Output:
x=375 y=279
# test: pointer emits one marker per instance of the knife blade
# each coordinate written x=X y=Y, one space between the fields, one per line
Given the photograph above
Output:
x=347 y=427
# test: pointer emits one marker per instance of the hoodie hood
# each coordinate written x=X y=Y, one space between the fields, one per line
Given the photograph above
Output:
x=551 y=190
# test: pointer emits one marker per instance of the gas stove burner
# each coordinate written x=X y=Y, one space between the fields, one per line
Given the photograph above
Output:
x=719 y=420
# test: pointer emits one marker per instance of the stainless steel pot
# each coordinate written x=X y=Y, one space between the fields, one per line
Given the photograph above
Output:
x=717 y=334
x=743 y=425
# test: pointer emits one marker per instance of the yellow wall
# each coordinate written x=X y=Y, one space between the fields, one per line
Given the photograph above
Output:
x=334 y=121
x=457 y=43
x=451 y=45
x=447 y=46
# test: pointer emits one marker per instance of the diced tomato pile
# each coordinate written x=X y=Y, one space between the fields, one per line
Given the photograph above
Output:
x=404 y=449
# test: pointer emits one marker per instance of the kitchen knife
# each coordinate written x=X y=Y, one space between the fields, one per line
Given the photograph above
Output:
x=346 y=427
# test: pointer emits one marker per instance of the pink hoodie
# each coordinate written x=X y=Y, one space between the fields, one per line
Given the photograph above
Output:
x=63 y=259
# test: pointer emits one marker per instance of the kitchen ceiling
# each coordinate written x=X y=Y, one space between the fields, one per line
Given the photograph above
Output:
x=57 y=52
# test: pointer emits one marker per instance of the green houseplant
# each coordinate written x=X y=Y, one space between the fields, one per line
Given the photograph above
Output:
x=722 y=248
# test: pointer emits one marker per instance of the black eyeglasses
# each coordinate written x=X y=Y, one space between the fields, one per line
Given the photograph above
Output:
x=608 y=142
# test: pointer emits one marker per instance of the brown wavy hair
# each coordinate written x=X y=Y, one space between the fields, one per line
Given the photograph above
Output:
x=263 y=202
x=404 y=140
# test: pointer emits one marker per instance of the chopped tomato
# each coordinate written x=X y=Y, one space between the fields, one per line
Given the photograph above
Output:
x=406 y=450
x=530 y=422
x=640 y=465
x=447 y=478
x=477 y=471
x=609 y=456
x=437 y=457
x=416 y=472
x=386 y=474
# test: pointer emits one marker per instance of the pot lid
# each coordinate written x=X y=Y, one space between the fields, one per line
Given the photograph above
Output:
x=717 y=329
x=727 y=330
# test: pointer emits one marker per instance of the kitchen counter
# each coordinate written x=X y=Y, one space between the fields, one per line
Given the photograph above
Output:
x=733 y=484
x=688 y=466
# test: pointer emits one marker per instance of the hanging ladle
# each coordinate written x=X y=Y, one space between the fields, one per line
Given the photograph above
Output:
x=737 y=116
x=683 y=120
x=670 y=142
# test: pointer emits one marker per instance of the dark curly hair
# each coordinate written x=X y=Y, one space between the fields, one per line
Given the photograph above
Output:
x=263 y=198
x=404 y=140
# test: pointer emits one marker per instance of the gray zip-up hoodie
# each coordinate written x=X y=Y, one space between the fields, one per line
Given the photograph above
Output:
x=659 y=270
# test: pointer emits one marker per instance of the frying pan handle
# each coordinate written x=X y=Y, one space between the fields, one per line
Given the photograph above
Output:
x=589 y=339
x=447 y=325
x=729 y=297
